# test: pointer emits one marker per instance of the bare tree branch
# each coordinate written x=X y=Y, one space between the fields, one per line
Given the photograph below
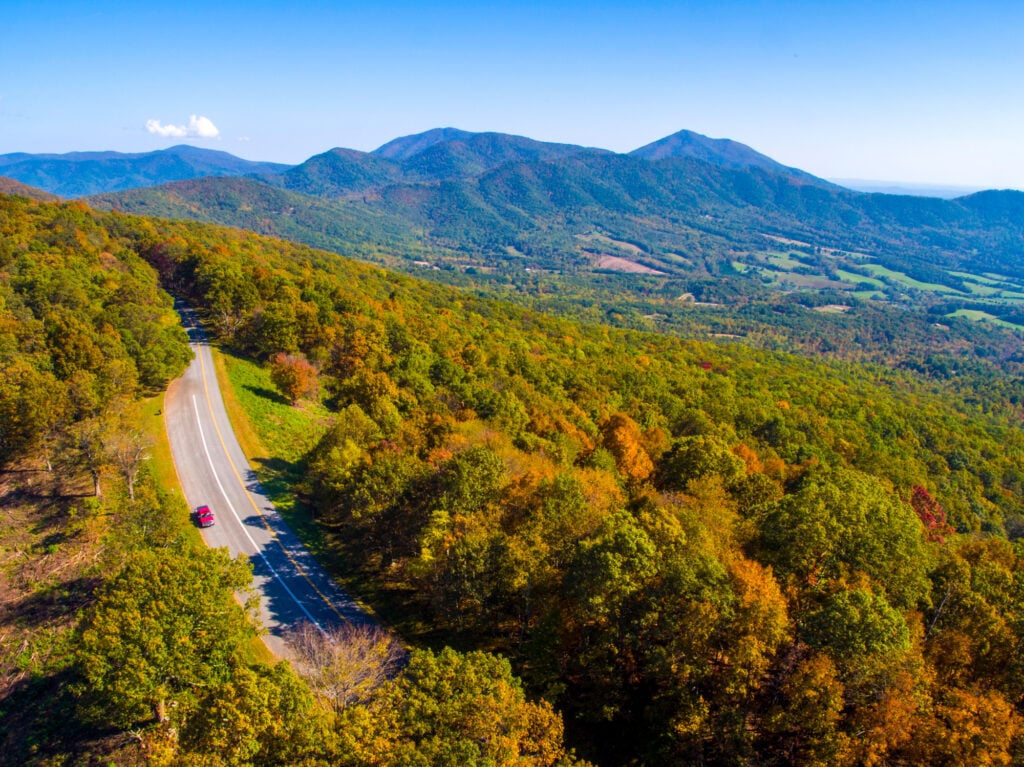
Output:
x=346 y=663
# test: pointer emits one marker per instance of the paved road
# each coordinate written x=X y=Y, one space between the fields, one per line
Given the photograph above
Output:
x=214 y=472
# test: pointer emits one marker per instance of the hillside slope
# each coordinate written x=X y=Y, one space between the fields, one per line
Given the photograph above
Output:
x=657 y=531
x=125 y=642
x=10 y=186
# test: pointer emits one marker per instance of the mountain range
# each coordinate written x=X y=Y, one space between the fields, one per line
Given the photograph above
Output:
x=81 y=173
x=685 y=204
x=709 y=219
x=437 y=154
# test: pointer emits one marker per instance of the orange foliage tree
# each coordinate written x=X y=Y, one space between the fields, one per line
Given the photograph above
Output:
x=294 y=376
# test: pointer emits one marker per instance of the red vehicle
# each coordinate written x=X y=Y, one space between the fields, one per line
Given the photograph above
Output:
x=204 y=517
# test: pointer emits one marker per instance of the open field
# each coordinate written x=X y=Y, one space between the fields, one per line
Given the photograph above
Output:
x=908 y=281
x=606 y=240
x=983 y=280
x=855 y=279
x=783 y=261
x=980 y=316
x=617 y=264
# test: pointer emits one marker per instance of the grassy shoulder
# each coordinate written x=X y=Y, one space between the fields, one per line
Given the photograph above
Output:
x=161 y=464
x=260 y=418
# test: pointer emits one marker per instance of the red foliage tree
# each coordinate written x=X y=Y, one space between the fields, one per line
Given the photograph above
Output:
x=931 y=514
x=294 y=376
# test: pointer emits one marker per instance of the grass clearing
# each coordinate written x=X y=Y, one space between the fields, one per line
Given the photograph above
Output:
x=979 y=316
x=612 y=242
x=1000 y=281
x=675 y=259
x=292 y=430
x=783 y=261
x=983 y=280
x=908 y=281
x=978 y=289
x=833 y=308
x=261 y=417
x=857 y=279
x=792 y=281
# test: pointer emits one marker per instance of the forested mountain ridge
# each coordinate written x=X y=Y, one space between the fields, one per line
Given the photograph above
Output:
x=81 y=173
x=681 y=243
x=83 y=328
x=698 y=553
x=684 y=209
x=404 y=147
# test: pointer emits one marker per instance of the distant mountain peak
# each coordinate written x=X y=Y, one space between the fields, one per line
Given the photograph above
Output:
x=404 y=147
x=688 y=143
x=719 y=151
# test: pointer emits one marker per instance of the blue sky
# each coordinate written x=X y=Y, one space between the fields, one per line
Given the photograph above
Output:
x=926 y=92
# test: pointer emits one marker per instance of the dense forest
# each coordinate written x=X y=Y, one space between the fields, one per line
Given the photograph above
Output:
x=696 y=553
x=84 y=328
x=123 y=642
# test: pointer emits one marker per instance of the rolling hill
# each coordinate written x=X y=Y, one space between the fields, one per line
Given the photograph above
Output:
x=651 y=528
x=685 y=203
x=682 y=546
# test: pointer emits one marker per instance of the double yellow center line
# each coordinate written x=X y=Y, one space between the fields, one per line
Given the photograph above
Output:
x=248 y=494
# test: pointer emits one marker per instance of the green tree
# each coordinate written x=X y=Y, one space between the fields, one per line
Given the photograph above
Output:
x=840 y=522
x=454 y=710
x=803 y=726
x=696 y=457
x=259 y=717
x=854 y=623
x=166 y=626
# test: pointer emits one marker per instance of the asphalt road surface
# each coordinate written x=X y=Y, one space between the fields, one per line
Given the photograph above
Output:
x=214 y=472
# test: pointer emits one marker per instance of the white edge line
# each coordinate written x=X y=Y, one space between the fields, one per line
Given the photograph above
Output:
x=206 y=449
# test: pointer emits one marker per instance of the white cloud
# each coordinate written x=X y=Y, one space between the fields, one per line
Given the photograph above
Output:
x=198 y=126
x=154 y=126
x=202 y=127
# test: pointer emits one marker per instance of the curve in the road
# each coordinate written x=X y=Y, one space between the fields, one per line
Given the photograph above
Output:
x=292 y=586
x=255 y=506
x=227 y=500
